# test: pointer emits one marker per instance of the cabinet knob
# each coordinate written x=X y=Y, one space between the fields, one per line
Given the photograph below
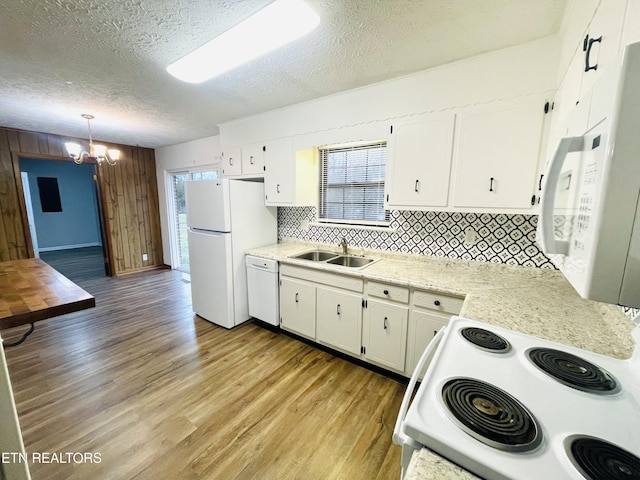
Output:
x=386 y=292
x=436 y=303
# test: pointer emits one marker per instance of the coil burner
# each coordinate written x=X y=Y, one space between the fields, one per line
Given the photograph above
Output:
x=597 y=459
x=485 y=339
x=573 y=371
x=490 y=415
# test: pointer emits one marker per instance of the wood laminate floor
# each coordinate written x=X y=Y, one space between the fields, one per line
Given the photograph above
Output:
x=78 y=264
x=161 y=394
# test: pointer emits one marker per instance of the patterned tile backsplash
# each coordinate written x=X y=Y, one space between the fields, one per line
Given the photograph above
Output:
x=499 y=238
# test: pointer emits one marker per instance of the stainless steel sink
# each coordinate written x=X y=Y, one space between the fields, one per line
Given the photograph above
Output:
x=349 y=261
x=316 y=256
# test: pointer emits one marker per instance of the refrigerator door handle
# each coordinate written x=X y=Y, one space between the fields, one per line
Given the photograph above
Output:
x=549 y=243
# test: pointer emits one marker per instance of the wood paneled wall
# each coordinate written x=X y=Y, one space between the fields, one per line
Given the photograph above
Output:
x=128 y=197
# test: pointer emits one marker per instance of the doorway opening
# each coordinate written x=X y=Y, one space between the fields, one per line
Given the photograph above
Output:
x=70 y=236
x=177 y=213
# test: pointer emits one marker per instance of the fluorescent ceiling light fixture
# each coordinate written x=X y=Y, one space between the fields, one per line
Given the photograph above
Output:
x=275 y=25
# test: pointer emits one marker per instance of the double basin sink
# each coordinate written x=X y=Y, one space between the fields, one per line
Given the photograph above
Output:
x=334 y=258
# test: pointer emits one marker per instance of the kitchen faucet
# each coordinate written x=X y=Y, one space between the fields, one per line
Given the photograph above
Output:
x=343 y=244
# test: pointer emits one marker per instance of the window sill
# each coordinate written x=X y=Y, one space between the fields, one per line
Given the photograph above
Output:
x=348 y=226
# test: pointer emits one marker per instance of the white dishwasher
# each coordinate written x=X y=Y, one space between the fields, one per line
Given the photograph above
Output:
x=262 y=287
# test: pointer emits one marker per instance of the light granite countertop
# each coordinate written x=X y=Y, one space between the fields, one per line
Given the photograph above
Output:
x=534 y=301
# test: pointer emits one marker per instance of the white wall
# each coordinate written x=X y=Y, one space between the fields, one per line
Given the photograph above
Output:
x=181 y=157
x=521 y=70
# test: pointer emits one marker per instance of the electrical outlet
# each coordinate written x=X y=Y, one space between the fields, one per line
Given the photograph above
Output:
x=145 y=257
x=470 y=236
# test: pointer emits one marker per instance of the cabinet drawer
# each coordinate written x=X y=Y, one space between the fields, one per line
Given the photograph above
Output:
x=388 y=292
x=437 y=301
x=337 y=280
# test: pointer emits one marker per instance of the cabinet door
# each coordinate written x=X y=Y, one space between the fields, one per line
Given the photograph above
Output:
x=423 y=326
x=497 y=152
x=602 y=42
x=339 y=319
x=253 y=159
x=279 y=173
x=421 y=162
x=231 y=162
x=298 y=307
x=385 y=333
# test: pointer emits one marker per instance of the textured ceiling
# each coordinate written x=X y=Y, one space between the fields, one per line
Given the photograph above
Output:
x=61 y=58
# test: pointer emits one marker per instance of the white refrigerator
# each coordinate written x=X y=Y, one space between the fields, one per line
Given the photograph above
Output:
x=225 y=218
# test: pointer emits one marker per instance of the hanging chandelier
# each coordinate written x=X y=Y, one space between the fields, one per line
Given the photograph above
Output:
x=97 y=153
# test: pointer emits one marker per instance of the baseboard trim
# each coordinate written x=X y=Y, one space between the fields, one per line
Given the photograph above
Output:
x=68 y=247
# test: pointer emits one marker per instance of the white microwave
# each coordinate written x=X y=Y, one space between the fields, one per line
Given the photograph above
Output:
x=589 y=224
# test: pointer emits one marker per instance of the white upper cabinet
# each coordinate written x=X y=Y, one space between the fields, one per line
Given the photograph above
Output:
x=279 y=176
x=496 y=154
x=420 y=162
x=253 y=159
x=243 y=162
x=601 y=42
x=593 y=39
x=231 y=162
x=290 y=178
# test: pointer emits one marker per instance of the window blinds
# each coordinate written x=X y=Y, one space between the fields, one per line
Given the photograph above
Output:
x=352 y=184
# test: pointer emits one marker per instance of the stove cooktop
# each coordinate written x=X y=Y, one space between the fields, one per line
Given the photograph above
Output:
x=505 y=405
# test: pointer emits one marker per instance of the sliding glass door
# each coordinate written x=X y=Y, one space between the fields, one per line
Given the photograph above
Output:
x=178 y=216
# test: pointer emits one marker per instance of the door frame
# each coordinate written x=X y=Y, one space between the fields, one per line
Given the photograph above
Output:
x=170 y=204
x=107 y=251
x=174 y=249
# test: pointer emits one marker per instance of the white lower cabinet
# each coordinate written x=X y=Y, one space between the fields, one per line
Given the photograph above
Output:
x=429 y=313
x=384 y=334
x=298 y=306
x=423 y=327
x=385 y=324
x=339 y=319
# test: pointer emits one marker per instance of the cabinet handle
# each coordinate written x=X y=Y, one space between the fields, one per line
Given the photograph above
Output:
x=296 y=298
x=435 y=332
x=586 y=46
x=385 y=323
x=436 y=303
x=230 y=160
x=540 y=183
x=251 y=159
x=386 y=292
x=417 y=186
x=278 y=188
x=491 y=185
x=338 y=309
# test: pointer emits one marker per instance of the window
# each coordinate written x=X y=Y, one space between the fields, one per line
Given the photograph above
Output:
x=352 y=184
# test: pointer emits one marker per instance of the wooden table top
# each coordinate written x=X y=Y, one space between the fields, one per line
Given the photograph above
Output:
x=31 y=290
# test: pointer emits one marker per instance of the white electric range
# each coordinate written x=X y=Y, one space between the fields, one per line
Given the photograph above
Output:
x=505 y=405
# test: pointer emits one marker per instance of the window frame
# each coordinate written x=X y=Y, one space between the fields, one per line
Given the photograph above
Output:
x=379 y=183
